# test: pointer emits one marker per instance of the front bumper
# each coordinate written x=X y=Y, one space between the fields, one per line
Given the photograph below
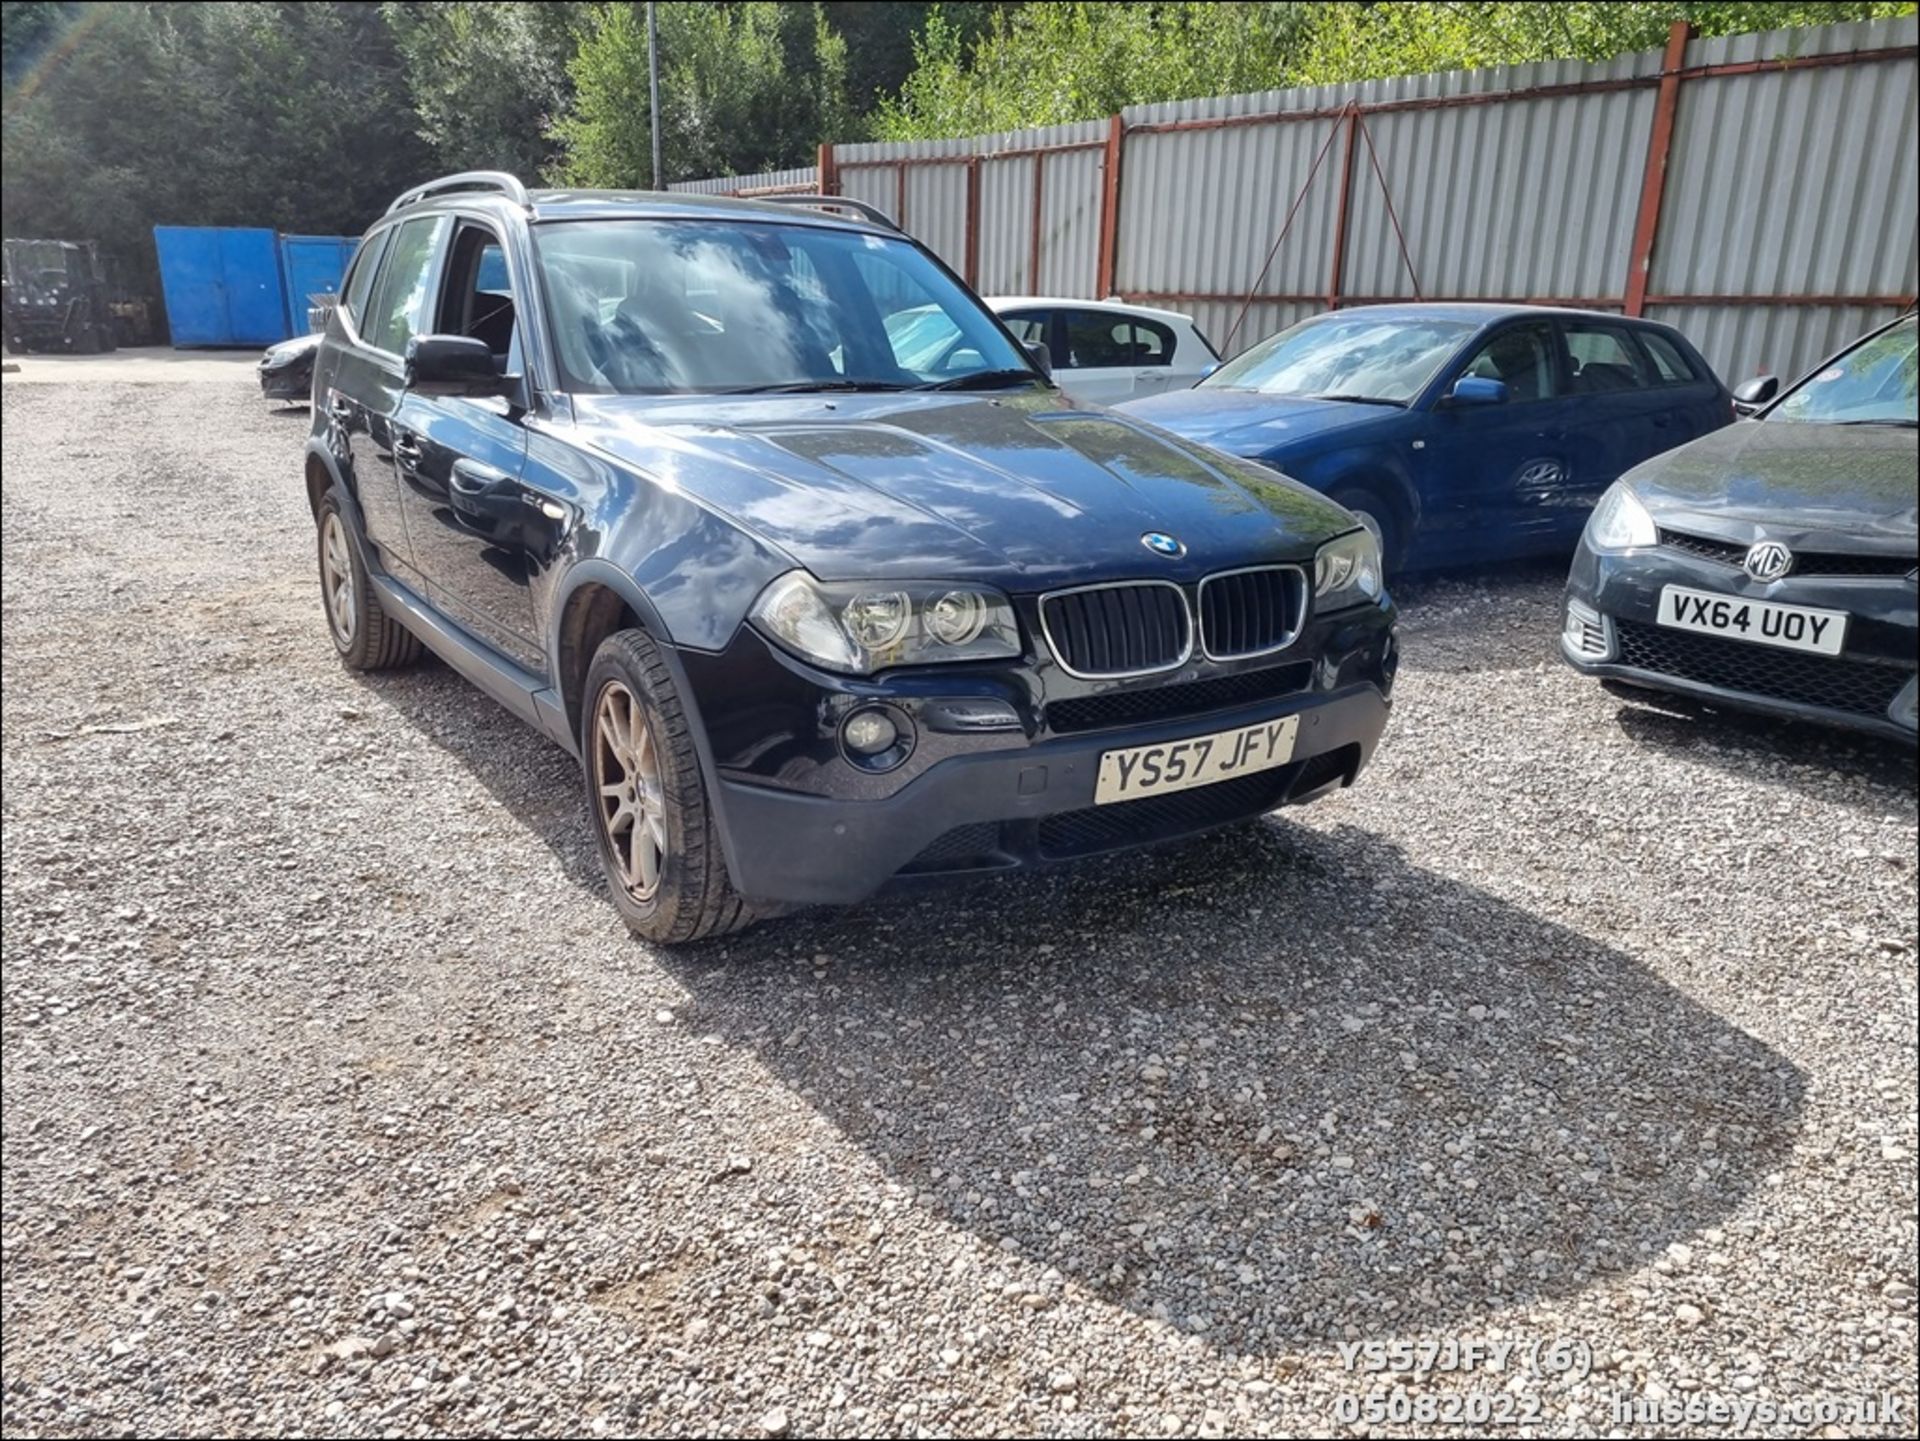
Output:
x=800 y=824
x=1870 y=688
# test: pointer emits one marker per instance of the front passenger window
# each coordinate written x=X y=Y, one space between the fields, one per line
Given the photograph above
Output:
x=1520 y=356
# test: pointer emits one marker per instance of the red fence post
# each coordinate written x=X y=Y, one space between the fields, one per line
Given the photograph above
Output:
x=1110 y=210
x=1033 y=233
x=973 y=221
x=827 y=171
x=1653 y=184
x=1340 y=215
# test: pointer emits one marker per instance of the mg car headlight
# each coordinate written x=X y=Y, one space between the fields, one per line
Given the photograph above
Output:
x=1347 y=571
x=859 y=628
x=1620 y=521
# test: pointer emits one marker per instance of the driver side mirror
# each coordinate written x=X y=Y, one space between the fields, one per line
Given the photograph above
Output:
x=1477 y=390
x=454 y=365
x=1750 y=395
x=1041 y=356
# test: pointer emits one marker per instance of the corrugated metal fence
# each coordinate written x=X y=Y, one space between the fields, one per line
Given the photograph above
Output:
x=1757 y=191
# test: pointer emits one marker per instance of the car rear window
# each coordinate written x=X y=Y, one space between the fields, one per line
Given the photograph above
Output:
x=1668 y=363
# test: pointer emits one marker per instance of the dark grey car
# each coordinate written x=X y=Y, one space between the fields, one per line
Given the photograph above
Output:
x=1771 y=565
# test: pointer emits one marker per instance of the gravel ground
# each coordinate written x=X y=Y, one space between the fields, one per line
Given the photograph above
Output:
x=337 y=1099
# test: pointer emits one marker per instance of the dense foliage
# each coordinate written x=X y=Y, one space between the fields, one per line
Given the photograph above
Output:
x=1048 y=63
x=310 y=116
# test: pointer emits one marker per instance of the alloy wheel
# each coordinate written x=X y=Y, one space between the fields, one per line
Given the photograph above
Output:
x=626 y=775
x=336 y=575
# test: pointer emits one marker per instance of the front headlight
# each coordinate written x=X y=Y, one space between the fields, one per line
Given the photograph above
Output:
x=1620 y=521
x=859 y=628
x=1347 y=571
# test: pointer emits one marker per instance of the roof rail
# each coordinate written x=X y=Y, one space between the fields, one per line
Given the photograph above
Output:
x=497 y=181
x=828 y=202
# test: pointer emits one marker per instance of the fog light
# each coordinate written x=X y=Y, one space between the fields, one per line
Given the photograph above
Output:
x=1588 y=634
x=1906 y=705
x=869 y=732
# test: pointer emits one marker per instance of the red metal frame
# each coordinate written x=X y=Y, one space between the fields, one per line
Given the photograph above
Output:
x=1110 y=209
x=1340 y=216
x=972 y=269
x=1673 y=73
x=1034 y=233
x=1653 y=183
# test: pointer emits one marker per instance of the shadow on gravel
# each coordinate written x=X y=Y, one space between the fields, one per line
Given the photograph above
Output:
x=1278 y=1086
x=1247 y=1086
x=1864 y=773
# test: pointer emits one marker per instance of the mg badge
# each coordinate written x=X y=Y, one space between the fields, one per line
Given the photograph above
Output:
x=1161 y=543
x=1769 y=560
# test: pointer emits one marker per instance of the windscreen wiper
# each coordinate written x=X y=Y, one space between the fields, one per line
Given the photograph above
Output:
x=983 y=380
x=1361 y=399
x=1887 y=420
x=809 y=387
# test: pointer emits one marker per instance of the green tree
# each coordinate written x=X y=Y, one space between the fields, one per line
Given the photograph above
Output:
x=487 y=80
x=744 y=87
x=288 y=115
x=1053 y=61
x=1358 y=42
x=1049 y=63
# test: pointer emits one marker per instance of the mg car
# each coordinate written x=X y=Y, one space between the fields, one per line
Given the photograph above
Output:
x=1769 y=566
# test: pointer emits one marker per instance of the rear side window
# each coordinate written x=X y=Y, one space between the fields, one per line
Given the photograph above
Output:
x=366 y=264
x=399 y=309
x=1603 y=359
x=1153 y=343
x=1028 y=326
x=1098 y=340
x=1668 y=363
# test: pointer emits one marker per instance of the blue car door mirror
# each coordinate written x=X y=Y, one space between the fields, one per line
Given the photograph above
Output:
x=1477 y=390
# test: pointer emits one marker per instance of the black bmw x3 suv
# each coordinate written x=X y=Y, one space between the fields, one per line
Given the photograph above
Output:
x=819 y=599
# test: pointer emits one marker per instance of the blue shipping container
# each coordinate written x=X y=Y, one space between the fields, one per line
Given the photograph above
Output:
x=222 y=286
x=313 y=265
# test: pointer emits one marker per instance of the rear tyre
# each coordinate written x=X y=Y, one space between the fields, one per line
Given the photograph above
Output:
x=366 y=637
x=16 y=345
x=1380 y=516
x=647 y=801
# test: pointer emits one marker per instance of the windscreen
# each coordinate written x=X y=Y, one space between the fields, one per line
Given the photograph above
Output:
x=698 y=307
x=1346 y=357
x=1872 y=384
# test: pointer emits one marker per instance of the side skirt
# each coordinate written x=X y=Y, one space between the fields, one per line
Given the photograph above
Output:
x=521 y=691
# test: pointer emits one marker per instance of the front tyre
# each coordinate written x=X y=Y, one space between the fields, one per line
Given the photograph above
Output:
x=366 y=637
x=659 y=841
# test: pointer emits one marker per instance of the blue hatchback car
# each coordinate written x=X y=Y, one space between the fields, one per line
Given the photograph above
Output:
x=1457 y=433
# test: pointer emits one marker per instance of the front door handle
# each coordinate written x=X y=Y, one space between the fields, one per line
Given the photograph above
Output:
x=473 y=477
x=406 y=450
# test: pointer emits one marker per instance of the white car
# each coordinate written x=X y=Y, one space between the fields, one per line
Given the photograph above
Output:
x=1106 y=352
